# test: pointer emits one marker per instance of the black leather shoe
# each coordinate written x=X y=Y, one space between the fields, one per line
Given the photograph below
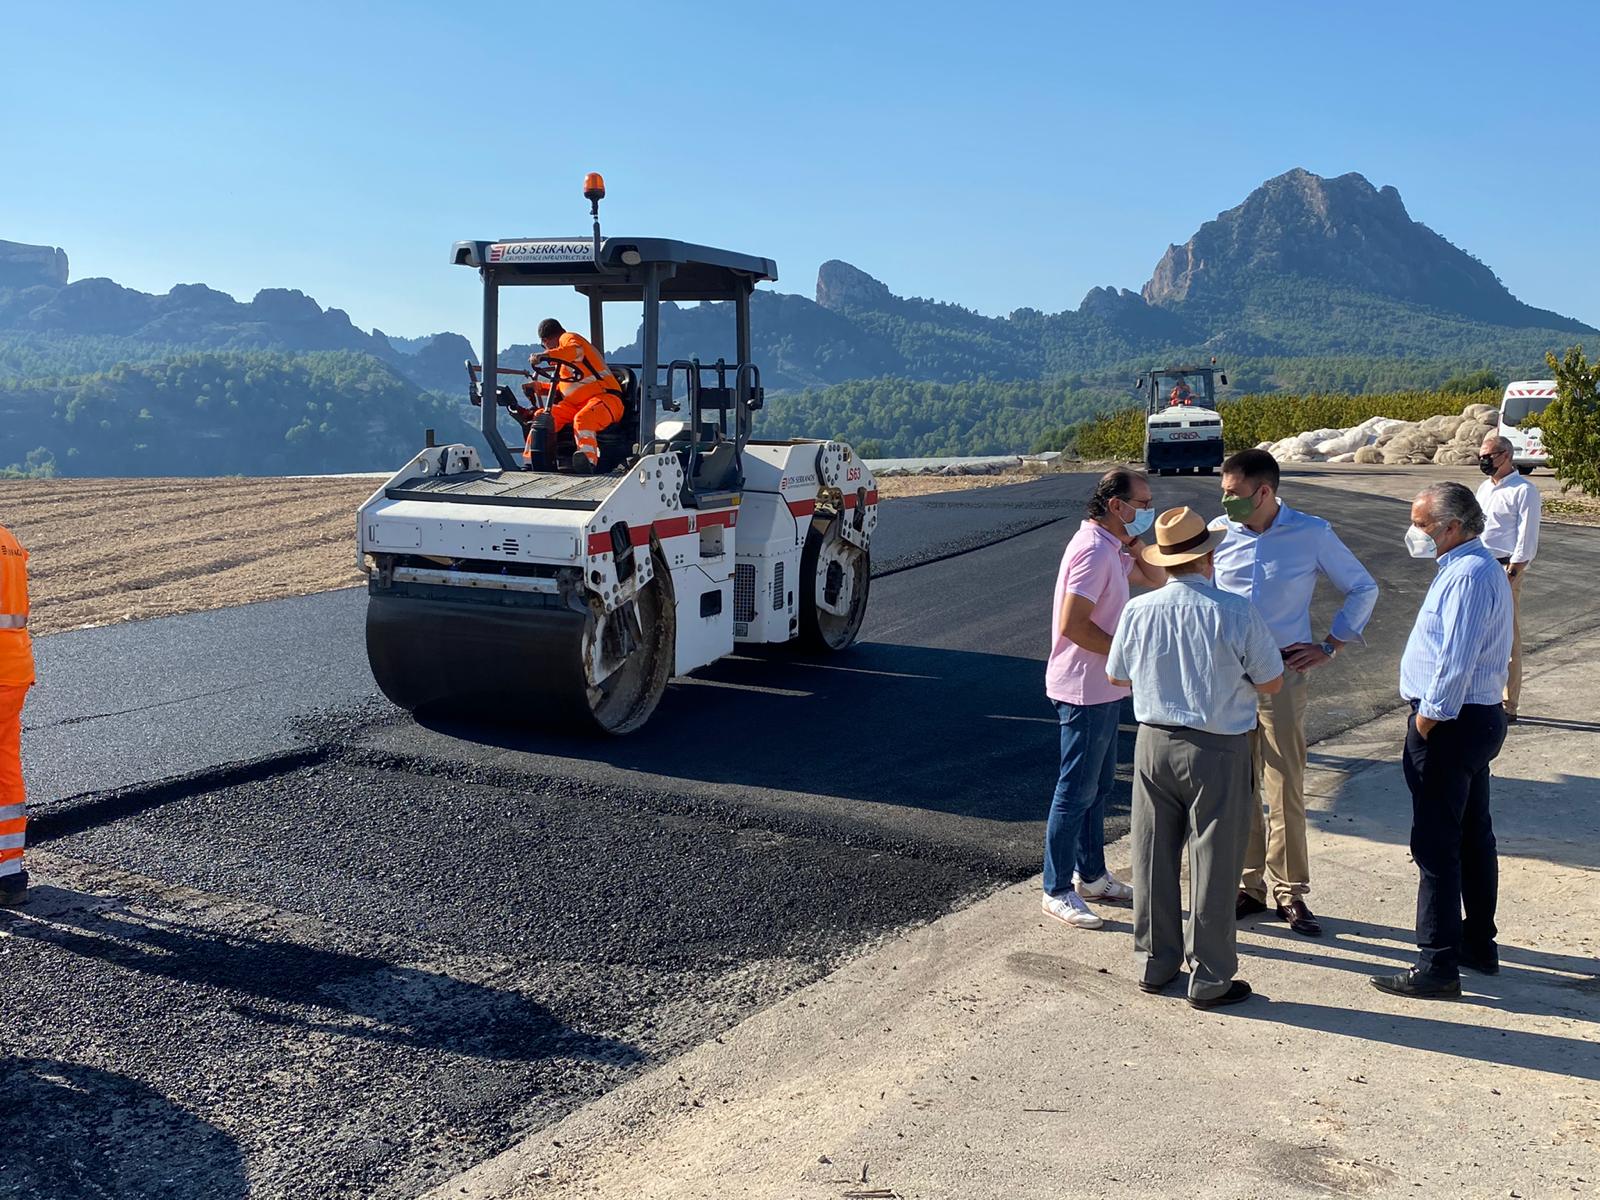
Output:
x=582 y=465
x=1155 y=989
x=13 y=889
x=1237 y=990
x=1300 y=918
x=1417 y=985
x=1484 y=962
x=1247 y=906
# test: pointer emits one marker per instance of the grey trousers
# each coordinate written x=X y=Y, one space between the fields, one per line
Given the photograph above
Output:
x=1189 y=788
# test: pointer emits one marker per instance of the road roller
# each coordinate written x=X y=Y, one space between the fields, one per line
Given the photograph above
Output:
x=539 y=593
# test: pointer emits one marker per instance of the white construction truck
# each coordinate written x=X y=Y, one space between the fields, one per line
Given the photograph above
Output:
x=1525 y=398
x=564 y=595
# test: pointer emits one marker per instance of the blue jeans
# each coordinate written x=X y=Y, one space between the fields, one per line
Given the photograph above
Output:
x=1075 y=834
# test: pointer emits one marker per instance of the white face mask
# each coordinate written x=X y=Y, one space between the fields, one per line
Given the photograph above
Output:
x=1420 y=544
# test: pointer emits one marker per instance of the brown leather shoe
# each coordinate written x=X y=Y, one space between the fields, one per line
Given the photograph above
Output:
x=1300 y=918
x=1247 y=906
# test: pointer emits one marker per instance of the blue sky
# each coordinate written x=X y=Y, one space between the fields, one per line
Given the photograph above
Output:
x=993 y=155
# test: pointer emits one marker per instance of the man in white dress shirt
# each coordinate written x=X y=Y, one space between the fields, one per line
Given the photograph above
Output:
x=1511 y=508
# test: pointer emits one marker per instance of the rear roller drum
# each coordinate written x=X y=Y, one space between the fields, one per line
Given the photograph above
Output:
x=644 y=637
x=835 y=577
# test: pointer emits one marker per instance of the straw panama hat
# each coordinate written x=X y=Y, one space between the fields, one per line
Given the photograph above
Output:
x=1181 y=536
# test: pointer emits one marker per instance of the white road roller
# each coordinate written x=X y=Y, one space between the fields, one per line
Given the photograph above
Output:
x=550 y=596
x=1182 y=431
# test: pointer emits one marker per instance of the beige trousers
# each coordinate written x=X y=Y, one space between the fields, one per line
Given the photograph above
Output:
x=1514 y=678
x=1277 y=854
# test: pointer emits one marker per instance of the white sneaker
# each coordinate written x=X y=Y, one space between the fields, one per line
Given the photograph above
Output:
x=1071 y=910
x=1107 y=887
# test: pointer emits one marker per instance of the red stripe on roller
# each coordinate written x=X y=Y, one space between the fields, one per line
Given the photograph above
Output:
x=872 y=495
x=673 y=527
x=639 y=535
x=802 y=508
x=599 y=543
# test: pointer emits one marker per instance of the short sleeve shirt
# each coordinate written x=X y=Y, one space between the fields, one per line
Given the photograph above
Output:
x=1194 y=654
x=1094 y=566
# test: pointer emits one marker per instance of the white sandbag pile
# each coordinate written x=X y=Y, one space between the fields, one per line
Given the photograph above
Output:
x=1446 y=441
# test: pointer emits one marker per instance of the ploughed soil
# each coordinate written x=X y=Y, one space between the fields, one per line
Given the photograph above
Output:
x=107 y=550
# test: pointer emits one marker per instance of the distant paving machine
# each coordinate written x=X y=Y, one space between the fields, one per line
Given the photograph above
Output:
x=560 y=596
x=1182 y=431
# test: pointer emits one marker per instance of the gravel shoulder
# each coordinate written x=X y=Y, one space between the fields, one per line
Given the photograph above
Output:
x=996 y=1054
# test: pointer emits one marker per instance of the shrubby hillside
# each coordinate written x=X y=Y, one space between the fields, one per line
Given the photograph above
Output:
x=1309 y=285
x=249 y=412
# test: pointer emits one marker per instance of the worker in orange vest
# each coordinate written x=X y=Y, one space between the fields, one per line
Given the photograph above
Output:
x=16 y=676
x=1181 y=393
x=590 y=397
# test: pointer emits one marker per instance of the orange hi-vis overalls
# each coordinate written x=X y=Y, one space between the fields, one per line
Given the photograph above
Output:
x=16 y=676
x=590 y=402
x=1181 y=395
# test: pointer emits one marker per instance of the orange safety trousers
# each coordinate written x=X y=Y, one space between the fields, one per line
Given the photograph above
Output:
x=588 y=407
x=13 y=800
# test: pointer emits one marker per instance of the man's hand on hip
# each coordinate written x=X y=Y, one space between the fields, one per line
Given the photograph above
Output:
x=1425 y=725
x=1305 y=656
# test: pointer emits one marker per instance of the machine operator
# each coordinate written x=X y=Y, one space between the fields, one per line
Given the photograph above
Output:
x=588 y=396
x=1180 y=394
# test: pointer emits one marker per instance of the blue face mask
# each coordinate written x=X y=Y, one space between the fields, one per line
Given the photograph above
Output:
x=1143 y=518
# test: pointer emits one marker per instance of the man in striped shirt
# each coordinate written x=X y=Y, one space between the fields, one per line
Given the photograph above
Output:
x=1453 y=673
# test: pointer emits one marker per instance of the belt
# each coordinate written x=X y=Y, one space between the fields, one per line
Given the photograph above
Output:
x=1504 y=562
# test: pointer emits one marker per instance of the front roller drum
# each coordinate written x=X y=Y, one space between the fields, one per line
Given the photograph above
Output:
x=470 y=661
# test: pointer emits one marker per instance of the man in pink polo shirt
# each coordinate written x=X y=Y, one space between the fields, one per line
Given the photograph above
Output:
x=1091 y=589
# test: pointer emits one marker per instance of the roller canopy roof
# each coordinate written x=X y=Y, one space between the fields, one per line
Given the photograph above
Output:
x=700 y=272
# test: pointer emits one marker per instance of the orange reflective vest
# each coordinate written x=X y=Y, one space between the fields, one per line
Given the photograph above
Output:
x=583 y=364
x=1181 y=395
x=16 y=649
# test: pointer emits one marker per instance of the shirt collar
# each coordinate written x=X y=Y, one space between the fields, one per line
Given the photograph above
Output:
x=1469 y=549
x=1195 y=581
x=1286 y=518
x=1102 y=531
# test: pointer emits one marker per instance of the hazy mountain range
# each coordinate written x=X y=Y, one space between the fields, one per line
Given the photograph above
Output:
x=1304 y=282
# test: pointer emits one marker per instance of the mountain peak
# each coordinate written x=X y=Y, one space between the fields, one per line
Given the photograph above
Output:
x=1342 y=234
x=839 y=286
x=22 y=265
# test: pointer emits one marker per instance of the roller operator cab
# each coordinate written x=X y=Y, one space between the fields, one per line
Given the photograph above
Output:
x=523 y=589
x=1183 y=432
x=1520 y=407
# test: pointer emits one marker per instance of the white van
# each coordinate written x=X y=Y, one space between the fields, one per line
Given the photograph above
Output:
x=1525 y=398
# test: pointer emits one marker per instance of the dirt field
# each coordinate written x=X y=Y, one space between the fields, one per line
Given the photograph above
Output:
x=107 y=550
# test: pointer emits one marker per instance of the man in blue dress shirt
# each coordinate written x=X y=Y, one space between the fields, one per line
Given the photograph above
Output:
x=1272 y=557
x=1453 y=673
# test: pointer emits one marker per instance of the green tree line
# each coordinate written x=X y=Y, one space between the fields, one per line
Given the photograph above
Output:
x=253 y=413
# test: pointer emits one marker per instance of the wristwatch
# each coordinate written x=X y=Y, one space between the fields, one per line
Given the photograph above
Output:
x=1328 y=648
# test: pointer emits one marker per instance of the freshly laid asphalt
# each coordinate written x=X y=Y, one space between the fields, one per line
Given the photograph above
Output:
x=289 y=942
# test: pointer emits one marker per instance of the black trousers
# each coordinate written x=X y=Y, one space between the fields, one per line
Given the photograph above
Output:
x=1452 y=837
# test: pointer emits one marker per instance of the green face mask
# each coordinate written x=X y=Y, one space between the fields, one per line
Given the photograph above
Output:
x=1239 y=508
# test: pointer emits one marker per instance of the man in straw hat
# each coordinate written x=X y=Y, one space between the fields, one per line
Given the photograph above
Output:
x=1197 y=658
